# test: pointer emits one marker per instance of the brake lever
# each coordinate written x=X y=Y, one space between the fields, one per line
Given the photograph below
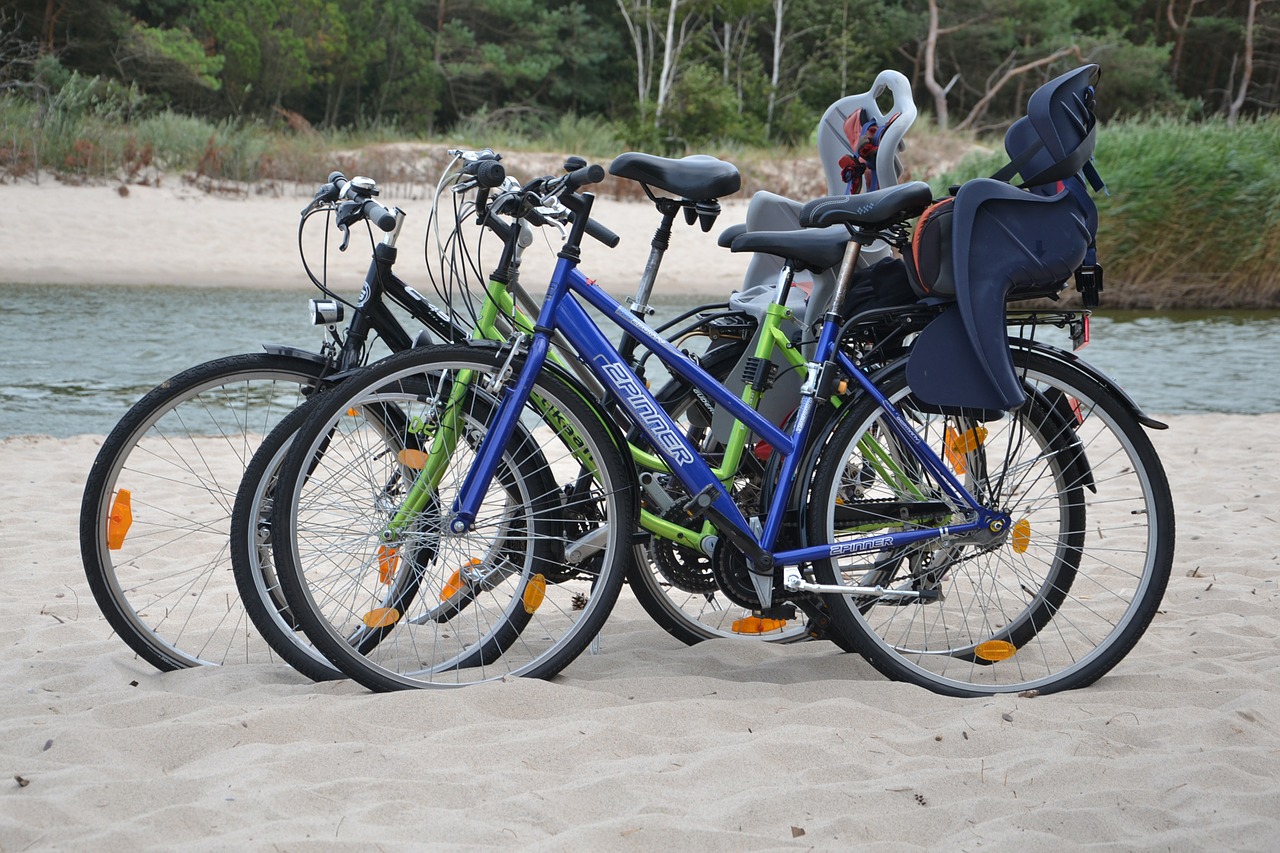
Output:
x=549 y=217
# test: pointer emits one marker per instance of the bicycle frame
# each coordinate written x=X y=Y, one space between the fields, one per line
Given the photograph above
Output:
x=561 y=312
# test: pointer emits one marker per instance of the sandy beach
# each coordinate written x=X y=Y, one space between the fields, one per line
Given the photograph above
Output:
x=176 y=234
x=651 y=744
x=646 y=744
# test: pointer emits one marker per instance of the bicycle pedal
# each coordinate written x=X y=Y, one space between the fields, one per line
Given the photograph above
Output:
x=697 y=506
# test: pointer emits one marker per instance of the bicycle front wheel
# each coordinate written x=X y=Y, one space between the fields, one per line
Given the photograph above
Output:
x=1052 y=602
x=156 y=510
x=371 y=566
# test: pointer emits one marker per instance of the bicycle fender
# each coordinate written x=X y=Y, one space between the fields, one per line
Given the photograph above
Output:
x=293 y=352
x=1078 y=363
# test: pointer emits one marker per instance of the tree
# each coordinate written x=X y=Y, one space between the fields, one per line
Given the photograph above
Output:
x=1179 y=23
x=1246 y=74
x=652 y=25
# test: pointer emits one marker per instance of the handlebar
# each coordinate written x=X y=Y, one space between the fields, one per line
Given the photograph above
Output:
x=355 y=202
x=542 y=201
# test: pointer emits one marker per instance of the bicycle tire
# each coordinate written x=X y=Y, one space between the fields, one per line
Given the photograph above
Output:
x=251 y=543
x=530 y=614
x=1006 y=618
x=179 y=454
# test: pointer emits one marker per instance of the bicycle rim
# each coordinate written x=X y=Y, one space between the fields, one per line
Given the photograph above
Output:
x=156 y=511
x=1060 y=597
x=521 y=593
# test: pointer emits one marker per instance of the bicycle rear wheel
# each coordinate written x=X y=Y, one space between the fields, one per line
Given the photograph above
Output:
x=523 y=592
x=156 y=508
x=1051 y=603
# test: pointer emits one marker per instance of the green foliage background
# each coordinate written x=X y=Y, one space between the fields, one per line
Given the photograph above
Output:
x=267 y=90
x=421 y=66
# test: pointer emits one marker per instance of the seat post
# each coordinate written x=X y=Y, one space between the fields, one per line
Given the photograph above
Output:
x=845 y=279
x=640 y=302
x=661 y=242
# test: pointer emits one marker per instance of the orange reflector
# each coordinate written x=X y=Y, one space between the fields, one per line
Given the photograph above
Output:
x=534 y=592
x=454 y=584
x=1021 y=536
x=757 y=625
x=119 y=520
x=410 y=458
x=381 y=617
x=994 y=650
x=353 y=412
x=957 y=445
x=388 y=562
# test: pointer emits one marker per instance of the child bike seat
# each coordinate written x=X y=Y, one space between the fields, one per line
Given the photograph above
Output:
x=1024 y=240
x=1003 y=237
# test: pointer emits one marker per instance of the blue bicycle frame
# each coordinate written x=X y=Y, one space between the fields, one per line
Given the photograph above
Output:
x=561 y=312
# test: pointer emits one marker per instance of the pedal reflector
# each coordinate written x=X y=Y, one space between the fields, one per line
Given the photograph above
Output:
x=1021 y=536
x=757 y=625
x=388 y=562
x=381 y=617
x=995 y=650
x=119 y=520
x=411 y=458
x=534 y=593
x=455 y=582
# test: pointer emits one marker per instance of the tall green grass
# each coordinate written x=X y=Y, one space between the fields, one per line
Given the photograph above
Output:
x=1192 y=219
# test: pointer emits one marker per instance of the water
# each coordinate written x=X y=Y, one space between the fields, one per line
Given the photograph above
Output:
x=75 y=358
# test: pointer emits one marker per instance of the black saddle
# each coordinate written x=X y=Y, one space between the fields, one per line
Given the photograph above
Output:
x=871 y=210
x=813 y=249
x=699 y=177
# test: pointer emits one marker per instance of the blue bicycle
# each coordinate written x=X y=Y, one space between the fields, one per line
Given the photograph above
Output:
x=940 y=518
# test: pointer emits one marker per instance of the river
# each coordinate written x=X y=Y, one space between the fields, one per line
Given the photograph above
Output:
x=75 y=358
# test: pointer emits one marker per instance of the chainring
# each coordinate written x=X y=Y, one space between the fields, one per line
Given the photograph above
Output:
x=685 y=568
x=729 y=566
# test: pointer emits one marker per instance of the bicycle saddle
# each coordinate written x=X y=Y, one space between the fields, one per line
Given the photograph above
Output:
x=869 y=210
x=813 y=249
x=728 y=235
x=698 y=177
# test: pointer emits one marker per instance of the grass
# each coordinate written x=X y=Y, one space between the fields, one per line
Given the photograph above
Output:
x=1192 y=219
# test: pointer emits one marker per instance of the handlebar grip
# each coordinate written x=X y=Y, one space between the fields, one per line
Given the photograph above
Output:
x=328 y=192
x=379 y=215
x=592 y=174
x=490 y=174
x=603 y=234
